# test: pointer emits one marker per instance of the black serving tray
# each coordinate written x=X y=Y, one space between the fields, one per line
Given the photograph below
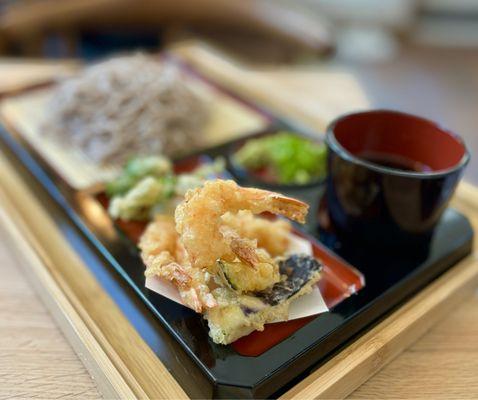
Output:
x=391 y=278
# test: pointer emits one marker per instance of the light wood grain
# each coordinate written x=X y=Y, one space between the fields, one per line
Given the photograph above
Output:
x=35 y=358
x=438 y=374
x=311 y=96
x=18 y=74
x=76 y=297
x=61 y=308
x=457 y=333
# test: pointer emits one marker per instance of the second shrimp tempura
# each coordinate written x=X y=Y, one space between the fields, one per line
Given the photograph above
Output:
x=272 y=236
x=199 y=217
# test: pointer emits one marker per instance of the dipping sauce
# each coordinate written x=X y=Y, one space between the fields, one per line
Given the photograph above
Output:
x=398 y=197
x=395 y=161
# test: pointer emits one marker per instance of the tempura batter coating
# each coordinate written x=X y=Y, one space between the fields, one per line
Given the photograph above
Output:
x=164 y=256
x=198 y=218
x=272 y=236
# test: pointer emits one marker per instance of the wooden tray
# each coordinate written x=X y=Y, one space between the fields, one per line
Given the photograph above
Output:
x=18 y=74
x=99 y=330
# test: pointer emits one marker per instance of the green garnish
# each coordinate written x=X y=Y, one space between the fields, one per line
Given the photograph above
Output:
x=289 y=158
x=152 y=165
x=148 y=185
x=120 y=185
x=136 y=169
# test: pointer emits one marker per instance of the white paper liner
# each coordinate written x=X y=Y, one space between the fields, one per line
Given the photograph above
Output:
x=310 y=304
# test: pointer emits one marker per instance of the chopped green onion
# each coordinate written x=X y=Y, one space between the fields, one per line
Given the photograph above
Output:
x=290 y=158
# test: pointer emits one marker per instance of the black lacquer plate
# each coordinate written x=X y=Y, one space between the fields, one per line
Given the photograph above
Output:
x=391 y=277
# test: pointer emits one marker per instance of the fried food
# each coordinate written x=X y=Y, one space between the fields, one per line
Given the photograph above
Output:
x=272 y=236
x=199 y=218
x=238 y=315
x=243 y=279
x=164 y=256
x=269 y=237
x=228 y=263
x=136 y=203
x=148 y=185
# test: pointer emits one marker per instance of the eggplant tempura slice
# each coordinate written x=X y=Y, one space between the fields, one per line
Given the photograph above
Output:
x=238 y=315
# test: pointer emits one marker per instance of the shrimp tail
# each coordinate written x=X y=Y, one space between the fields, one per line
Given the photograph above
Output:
x=289 y=207
x=276 y=203
x=244 y=251
x=195 y=295
x=191 y=298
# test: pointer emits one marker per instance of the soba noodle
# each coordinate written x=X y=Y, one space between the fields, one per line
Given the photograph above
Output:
x=127 y=106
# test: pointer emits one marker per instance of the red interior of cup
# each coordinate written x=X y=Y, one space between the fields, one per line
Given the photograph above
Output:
x=400 y=135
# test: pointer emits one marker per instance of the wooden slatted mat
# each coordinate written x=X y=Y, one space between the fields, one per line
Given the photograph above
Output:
x=27 y=113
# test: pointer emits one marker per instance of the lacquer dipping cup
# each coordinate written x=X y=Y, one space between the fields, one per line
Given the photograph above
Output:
x=391 y=175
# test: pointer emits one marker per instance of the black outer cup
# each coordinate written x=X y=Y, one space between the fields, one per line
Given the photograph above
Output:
x=371 y=203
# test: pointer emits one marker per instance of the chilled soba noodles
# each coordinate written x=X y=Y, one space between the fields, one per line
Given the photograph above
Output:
x=127 y=106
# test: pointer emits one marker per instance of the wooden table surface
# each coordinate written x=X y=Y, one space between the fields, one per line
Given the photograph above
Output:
x=37 y=361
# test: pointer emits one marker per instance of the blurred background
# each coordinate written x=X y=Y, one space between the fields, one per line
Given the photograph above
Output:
x=419 y=56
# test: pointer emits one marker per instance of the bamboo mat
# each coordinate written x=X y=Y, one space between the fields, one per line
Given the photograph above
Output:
x=27 y=114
